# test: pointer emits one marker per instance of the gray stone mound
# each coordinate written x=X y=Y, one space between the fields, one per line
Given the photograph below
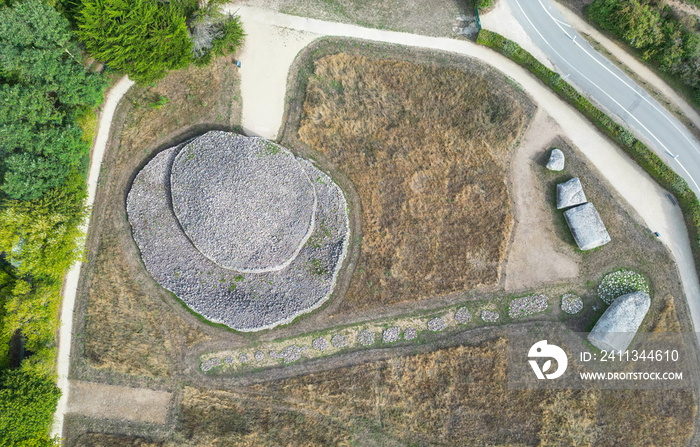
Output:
x=243 y=358
x=241 y=300
x=463 y=316
x=436 y=324
x=556 y=160
x=390 y=335
x=619 y=323
x=570 y=193
x=248 y=192
x=339 y=341
x=228 y=360
x=489 y=316
x=259 y=356
x=365 y=337
x=320 y=344
x=586 y=226
x=410 y=333
x=527 y=305
x=571 y=304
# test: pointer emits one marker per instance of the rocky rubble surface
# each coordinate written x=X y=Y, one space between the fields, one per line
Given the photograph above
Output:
x=242 y=301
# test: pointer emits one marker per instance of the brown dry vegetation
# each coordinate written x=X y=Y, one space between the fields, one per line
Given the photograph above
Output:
x=454 y=396
x=130 y=325
x=427 y=150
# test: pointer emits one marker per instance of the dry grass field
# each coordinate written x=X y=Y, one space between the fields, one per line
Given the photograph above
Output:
x=427 y=149
x=453 y=396
x=130 y=326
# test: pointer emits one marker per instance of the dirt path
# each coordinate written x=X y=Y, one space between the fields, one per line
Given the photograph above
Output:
x=70 y=285
x=100 y=401
x=532 y=244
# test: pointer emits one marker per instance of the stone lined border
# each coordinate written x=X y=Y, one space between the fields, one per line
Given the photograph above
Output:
x=242 y=301
x=368 y=335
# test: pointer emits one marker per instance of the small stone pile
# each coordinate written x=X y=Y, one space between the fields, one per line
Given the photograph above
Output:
x=339 y=341
x=391 y=334
x=528 y=305
x=320 y=344
x=365 y=337
x=211 y=363
x=489 y=316
x=571 y=304
x=436 y=324
x=463 y=316
x=410 y=333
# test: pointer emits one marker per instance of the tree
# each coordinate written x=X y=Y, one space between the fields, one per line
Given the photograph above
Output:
x=42 y=85
x=27 y=403
x=214 y=33
x=142 y=38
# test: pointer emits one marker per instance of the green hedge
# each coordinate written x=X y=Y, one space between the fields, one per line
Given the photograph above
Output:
x=639 y=152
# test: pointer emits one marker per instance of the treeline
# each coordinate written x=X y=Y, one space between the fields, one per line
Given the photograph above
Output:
x=44 y=92
x=48 y=100
x=651 y=28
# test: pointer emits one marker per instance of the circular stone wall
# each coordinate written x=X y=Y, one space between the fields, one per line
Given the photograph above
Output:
x=240 y=299
x=246 y=204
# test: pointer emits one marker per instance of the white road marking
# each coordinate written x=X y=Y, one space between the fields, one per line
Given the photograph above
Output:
x=601 y=89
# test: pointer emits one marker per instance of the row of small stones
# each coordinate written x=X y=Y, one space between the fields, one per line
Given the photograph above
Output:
x=520 y=307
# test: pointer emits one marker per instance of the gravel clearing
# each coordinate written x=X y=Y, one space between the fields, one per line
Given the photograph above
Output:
x=489 y=316
x=463 y=316
x=527 y=305
x=339 y=341
x=391 y=334
x=365 y=337
x=410 y=333
x=320 y=344
x=571 y=304
x=436 y=324
x=242 y=301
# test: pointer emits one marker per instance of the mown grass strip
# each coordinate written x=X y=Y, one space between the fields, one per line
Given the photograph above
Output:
x=638 y=151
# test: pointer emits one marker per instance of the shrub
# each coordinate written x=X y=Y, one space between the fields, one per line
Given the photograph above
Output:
x=620 y=283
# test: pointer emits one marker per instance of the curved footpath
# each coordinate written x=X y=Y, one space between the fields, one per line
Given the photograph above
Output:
x=273 y=41
x=70 y=286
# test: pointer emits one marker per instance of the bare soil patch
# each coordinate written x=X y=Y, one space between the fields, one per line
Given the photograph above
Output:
x=533 y=244
x=427 y=149
x=118 y=402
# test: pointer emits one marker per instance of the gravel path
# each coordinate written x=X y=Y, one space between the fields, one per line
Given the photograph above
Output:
x=242 y=301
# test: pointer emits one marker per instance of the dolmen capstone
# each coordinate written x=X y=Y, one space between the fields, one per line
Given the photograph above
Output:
x=556 y=160
x=570 y=193
x=586 y=226
x=617 y=327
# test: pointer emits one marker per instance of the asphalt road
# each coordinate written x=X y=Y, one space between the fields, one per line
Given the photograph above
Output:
x=600 y=80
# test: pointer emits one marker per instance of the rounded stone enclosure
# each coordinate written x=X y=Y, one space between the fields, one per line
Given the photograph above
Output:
x=245 y=204
x=239 y=229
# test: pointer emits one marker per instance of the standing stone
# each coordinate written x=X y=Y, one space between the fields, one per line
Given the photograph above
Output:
x=617 y=327
x=570 y=193
x=586 y=226
x=556 y=160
